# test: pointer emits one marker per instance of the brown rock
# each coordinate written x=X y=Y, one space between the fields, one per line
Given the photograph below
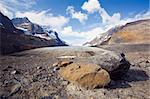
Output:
x=85 y=74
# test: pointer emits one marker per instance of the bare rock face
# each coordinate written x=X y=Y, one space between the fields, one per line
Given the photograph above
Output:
x=84 y=74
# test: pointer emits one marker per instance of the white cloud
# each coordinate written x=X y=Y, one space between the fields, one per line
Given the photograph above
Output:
x=82 y=17
x=17 y=4
x=79 y=38
x=143 y=15
x=94 y=6
x=6 y=11
x=44 y=18
x=9 y=7
x=91 y=6
x=107 y=19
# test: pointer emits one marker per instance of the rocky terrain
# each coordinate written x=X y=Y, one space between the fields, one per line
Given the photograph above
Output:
x=38 y=73
x=13 y=39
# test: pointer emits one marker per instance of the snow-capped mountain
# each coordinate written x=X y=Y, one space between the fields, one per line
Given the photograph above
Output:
x=132 y=32
x=14 y=39
x=36 y=30
x=103 y=38
x=27 y=26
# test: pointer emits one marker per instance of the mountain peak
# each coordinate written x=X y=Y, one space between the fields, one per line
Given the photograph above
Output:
x=18 y=20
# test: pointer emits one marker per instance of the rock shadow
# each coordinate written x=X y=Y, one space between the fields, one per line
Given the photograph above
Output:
x=133 y=75
x=18 y=54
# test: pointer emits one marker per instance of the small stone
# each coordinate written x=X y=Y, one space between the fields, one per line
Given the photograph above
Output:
x=15 y=88
x=50 y=74
x=39 y=67
x=56 y=69
x=142 y=64
x=55 y=64
x=7 y=68
x=56 y=97
x=65 y=83
x=13 y=72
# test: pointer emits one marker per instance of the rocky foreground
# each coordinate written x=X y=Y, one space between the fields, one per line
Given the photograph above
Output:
x=46 y=73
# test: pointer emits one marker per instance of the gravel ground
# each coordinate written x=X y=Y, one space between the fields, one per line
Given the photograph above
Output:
x=29 y=74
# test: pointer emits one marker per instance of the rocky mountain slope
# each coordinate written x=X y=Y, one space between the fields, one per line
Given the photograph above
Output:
x=33 y=29
x=133 y=32
x=25 y=24
x=13 y=39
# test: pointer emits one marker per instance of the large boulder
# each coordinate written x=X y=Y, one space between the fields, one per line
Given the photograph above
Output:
x=84 y=74
x=113 y=62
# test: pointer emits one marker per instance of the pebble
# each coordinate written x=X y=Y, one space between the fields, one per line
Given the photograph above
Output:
x=55 y=69
x=39 y=67
x=13 y=72
x=15 y=88
x=65 y=83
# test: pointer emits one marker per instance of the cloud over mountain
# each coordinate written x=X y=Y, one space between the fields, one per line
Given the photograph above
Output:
x=44 y=18
x=77 y=15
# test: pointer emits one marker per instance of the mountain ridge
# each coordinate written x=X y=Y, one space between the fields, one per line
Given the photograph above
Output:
x=14 y=40
x=112 y=36
x=34 y=29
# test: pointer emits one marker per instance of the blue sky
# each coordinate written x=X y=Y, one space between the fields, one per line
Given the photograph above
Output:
x=77 y=21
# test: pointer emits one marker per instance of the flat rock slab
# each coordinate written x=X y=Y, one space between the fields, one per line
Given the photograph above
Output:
x=85 y=75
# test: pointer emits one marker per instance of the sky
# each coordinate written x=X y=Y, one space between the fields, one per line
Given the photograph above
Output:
x=77 y=21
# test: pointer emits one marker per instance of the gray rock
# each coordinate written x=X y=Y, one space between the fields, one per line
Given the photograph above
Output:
x=15 y=88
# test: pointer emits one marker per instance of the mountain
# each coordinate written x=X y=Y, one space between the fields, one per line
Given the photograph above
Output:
x=133 y=32
x=33 y=29
x=27 y=25
x=14 y=40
